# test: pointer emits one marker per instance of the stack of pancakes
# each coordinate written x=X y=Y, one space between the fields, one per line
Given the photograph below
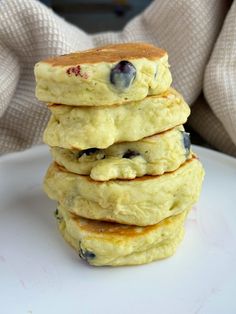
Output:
x=124 y=175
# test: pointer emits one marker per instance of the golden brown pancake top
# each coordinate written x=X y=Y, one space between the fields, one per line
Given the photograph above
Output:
x=109 y=53
x=113 y=228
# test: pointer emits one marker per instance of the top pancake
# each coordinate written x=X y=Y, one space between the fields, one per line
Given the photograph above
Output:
x=109 y=75
x=109 y=53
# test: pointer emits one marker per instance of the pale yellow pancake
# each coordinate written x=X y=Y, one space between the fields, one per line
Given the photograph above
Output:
x=102 y=243
x=112 y=74
x=88 y=127
x=153 y=155
x=141 y=201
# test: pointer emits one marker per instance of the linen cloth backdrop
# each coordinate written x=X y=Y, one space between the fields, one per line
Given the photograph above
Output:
x=200 y=37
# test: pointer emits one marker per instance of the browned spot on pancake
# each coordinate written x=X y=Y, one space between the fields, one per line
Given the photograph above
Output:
x=60 y=168
x=51 y=104
x=109 y=53
x=113 y=228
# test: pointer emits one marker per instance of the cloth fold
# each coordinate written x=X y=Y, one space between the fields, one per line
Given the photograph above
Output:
x=201 y=118
x=188 y=30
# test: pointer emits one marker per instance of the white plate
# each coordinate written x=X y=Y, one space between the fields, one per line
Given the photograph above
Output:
x=39 y=273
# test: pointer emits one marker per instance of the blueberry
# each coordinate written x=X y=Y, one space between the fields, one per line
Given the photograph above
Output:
x=123 y=74
x=187 y=142
x=87 y=152
x=156 y=72
x=130 y=154
x=56 y=214
x=86 y=255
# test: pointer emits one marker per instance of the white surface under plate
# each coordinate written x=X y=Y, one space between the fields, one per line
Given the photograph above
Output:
x=40 y=273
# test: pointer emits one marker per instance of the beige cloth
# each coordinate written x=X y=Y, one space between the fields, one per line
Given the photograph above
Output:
x=200 y=37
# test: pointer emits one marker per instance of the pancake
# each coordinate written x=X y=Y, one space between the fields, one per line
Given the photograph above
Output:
x=100 y=127
x=141 y=201
x=101 y=243
x=112 y=74
x=153 y=155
